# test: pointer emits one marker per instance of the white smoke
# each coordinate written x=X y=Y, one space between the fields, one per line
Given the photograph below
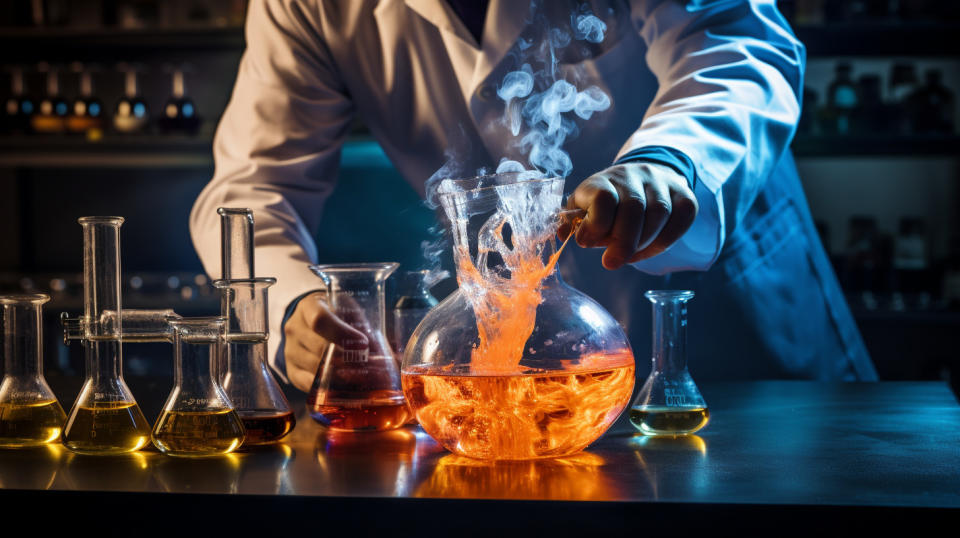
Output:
x=542 y=119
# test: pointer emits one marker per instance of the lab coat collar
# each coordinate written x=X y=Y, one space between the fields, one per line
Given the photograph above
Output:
x=504 y=22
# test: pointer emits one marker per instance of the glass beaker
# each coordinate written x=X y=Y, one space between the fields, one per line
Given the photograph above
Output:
x=198 y=418
x=357 y=386
x=413 y=302
x=669 y=402
x=515 y=364
x=256 y=396
x=30 y=414
x=105 y=418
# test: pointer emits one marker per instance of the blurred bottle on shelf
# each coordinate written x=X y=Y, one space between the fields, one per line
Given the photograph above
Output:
x=861 y=261
x=911 y=265
x=931 y=106
x=131 y=114
x=413 y=302
x=806 y=11
x=86 y=114
x=843 y=101
x=19 y=107
x=52 y=110
x=872 y=115
x=807 y=123
x=179 y=114
x=903 y=83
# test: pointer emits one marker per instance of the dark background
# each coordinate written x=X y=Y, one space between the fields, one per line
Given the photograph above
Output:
x=877 y=154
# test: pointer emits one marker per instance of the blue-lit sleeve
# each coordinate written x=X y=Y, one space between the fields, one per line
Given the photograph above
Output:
x=730 y=74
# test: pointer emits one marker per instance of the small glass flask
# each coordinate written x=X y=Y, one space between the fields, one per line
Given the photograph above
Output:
x=413 y=302
x=357 y=386
x=30 y=414
x=266 y=414
x=105 y=418
x=198 y=419
x=669 y=402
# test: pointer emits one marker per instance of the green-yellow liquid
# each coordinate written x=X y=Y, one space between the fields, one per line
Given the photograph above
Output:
x=106 y=428
x=194 y=434
x=664 y=420
x=30 y=423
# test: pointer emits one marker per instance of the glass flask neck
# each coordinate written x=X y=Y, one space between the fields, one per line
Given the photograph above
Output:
x=357 y=292
x=101 y=275
x=669 y=330
x=22 y=334
x=198 y=346
x=236 y=242
x=243 y=303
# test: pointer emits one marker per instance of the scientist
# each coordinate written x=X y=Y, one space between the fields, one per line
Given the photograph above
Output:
x=687 y=177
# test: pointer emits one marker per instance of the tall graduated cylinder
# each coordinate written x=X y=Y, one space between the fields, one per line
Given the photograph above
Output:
x=105 y=418
x=515 y=364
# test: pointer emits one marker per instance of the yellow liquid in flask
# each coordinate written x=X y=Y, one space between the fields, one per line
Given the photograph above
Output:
x=30 y=423
x=198 y=433
x=107 y=428
x=663 y=420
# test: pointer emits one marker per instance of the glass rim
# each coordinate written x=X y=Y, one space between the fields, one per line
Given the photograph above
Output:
x=353 y=267
x=24 y=298
x=668 y=294
x=100 y=220
x=221 y=283
x=478 y=179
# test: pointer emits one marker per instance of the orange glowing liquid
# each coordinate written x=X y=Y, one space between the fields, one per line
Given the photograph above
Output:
x=520 y=416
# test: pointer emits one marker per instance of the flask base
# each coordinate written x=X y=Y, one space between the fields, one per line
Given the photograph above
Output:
x=665 y=420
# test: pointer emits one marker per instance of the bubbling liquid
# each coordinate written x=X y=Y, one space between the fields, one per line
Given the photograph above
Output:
x=520 y=416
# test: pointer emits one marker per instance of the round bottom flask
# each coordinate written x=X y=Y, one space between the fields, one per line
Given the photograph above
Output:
x=515 y=364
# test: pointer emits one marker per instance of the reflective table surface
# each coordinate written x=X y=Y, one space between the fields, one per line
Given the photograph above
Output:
x=843 y=451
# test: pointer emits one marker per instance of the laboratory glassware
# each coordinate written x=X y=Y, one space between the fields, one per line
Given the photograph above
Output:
x=357 y=385
x=86 y=114
x=515 y=364
x=30 y=414
x=247 y=381
x=19 y=107
x=669 y=402
x=131 y=114
x=52 y=109
x=179 y=114
x=198 y=418
x=105 y=418
x=261 y=405
x=413 y=302
x=135 y=325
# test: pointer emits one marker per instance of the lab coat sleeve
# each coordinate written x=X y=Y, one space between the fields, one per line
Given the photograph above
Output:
x=730 y=75
x=277 y=151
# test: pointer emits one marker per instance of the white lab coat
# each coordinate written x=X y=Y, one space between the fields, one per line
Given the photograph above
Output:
x=718 y=80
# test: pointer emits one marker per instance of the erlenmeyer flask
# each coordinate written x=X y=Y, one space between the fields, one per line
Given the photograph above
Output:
x=413 y=302
x=30 y=414
x=515 y=364
x=105 y=418
x=198 y=418
x=357 y=386
x=256 y=396
x=669 y=402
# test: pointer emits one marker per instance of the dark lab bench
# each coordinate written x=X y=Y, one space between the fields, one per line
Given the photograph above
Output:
x=778 y=458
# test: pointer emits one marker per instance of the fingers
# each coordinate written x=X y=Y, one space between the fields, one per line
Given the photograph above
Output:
x=636 y=210
x=599 y=197
x=308 y=333
x=683 y=212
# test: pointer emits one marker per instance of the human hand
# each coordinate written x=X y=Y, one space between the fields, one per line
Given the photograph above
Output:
x=635 y=210
x=310 y=329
